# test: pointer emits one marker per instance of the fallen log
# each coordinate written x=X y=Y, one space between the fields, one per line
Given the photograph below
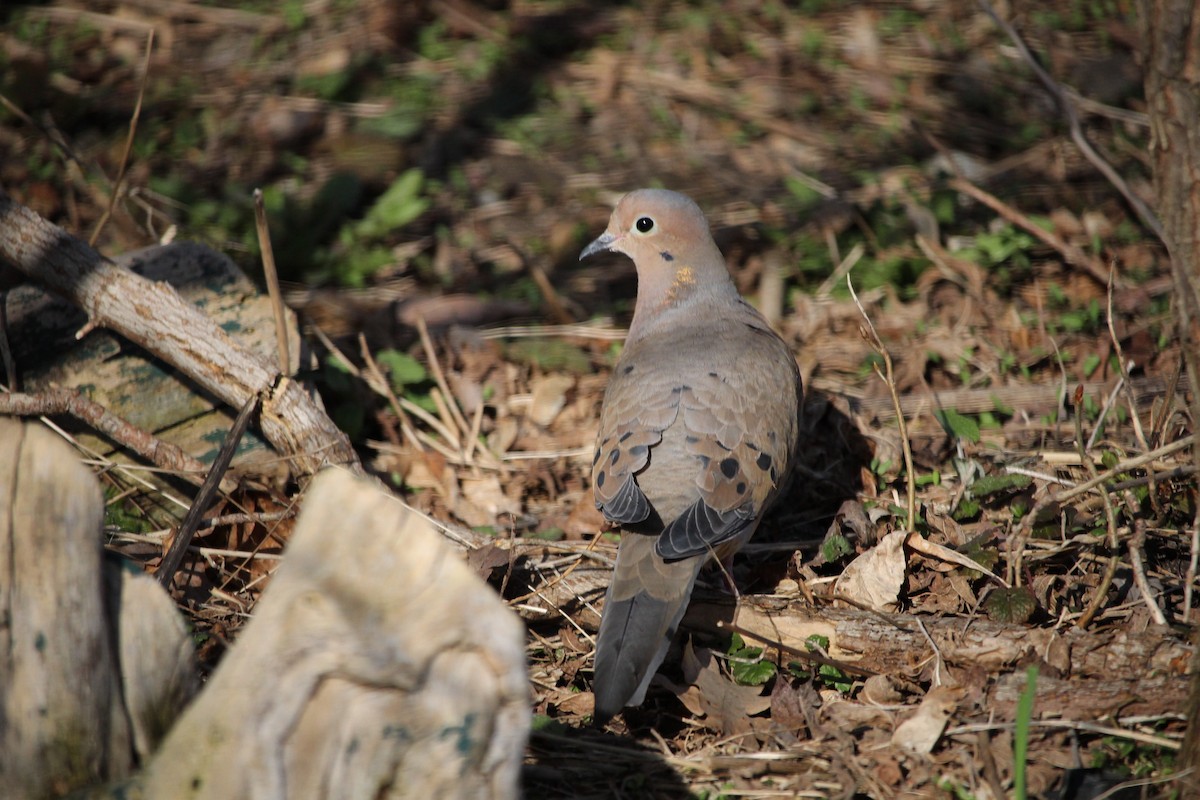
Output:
x=152 y=315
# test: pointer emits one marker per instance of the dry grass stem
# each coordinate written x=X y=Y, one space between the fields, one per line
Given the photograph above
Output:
x=888 y=378
x=448 y=407
x=118 y=183
x=1100 y=597
x=271 y=277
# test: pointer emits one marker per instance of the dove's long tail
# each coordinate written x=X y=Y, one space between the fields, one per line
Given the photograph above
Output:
x=642 y=610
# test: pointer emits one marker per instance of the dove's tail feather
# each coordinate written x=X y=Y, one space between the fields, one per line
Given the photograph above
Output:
x=637 y=626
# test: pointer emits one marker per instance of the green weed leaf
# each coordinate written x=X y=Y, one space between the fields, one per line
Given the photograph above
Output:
x=1014 y=605
x=957 y=425
x=403 y=369
x=995 y=484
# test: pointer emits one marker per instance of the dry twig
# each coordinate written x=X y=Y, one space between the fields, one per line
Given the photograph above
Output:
x=888 y=377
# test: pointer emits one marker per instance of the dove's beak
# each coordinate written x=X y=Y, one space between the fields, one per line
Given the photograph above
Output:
x=604 y=242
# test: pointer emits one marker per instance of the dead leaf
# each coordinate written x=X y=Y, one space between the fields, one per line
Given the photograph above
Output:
x=852 y=521
x=487 y=558
x=549 y=397
x=579 y=704
x=878 y=690
x=920 y=732
x=934 y=550
x=482 y=501
x=842 y=714
x=429 y=470
x=793 y=706
x=573 y=641
x=501 y=439
x=725 y=706
x=584 y=518
x=874 y=579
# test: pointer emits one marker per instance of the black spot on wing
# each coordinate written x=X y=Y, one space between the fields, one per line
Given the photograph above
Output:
x=628 y=506
x=763 y=461
x=729 y=467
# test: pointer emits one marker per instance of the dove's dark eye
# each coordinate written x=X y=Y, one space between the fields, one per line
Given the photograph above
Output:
x=644 y=224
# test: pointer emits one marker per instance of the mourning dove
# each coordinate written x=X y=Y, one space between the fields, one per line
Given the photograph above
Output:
x=697 y=433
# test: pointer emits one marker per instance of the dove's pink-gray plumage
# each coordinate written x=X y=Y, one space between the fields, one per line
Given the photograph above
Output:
x=697 y=433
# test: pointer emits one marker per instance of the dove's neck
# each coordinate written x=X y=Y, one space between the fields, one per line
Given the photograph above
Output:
x=689 y=290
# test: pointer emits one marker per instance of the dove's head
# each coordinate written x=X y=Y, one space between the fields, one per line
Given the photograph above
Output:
x=667 y=237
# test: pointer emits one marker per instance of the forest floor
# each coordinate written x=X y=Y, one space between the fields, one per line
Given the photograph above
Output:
x=446 y=161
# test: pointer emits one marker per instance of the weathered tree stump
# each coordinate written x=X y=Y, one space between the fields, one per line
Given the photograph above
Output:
x=376 y=665
x=94 y=661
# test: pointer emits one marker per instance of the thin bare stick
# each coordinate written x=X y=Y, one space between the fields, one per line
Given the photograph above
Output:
x=440 y=377
x=165 y=455
x=1070 y=725
x=1069 y=252
x=272 y=280
x=429 y=419
x=449 y=421
x=191 y=521
x=1121 y=365
x=473 y=436
x=6 y=356
x=179 y=10
x=1108 y=404
x=1143 y=211
x=381 y=385
x=938 y=662
x=841 y=271
x=873 y=339
x=115 y=192
x=452 y=456
x=1153 y=478
x=256 y=518
x=1135 y=552
x=1136 y=542
x=1190 y=583
x=604 y=333
x=1110 y=516
x=1122 y=466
